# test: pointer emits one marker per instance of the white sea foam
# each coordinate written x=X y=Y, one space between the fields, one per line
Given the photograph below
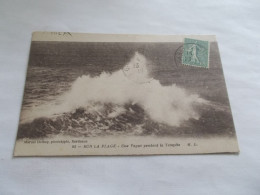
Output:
x=164 y=104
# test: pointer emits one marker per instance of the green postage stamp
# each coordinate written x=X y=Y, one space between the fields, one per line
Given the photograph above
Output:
x=195 y=53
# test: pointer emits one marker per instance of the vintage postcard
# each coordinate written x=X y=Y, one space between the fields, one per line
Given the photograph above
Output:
x=105 y=94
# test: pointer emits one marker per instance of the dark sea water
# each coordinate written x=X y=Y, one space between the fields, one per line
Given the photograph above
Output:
x=44 y=84
x=57 y=86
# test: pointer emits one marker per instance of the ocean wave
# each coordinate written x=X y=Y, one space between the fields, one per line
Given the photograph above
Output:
x=130 y=95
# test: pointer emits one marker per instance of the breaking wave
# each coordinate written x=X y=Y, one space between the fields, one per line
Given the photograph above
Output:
x=119 y=98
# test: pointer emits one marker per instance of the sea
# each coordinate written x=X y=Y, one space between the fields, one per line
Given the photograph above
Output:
x=135 y=97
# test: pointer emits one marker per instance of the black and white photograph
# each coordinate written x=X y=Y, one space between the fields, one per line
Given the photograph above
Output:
x=122 y=90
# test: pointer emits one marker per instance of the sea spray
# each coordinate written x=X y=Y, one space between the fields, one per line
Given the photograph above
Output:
x=114 y=101
x=164 y=104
